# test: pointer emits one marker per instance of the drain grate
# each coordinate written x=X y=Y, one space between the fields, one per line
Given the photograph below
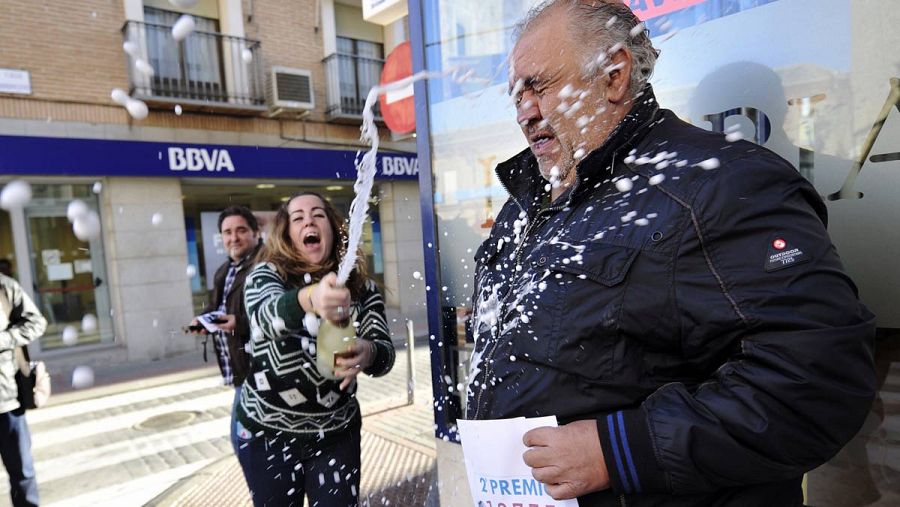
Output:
x=167 y=421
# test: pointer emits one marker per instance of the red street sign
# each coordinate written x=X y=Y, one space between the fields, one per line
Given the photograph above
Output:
x=649 y=9
x=398 y=106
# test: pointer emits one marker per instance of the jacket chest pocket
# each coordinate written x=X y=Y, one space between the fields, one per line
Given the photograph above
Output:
x=582 y=298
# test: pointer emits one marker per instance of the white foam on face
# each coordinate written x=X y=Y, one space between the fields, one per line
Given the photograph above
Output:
x=15 y=194
x=190 y=271
x=87 y=226
x=70 y=335
x=579 y=153
x=82 y=377
x=136 y=108
x=183 y=27
x=75 y=209
x=88 y=323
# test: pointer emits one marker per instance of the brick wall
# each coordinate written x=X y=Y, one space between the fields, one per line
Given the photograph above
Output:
x=73 y=51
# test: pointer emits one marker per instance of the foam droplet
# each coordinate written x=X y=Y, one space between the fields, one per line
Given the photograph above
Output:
x=82 y=377
x=624 y=184
x=15 y=194
x=183 y=27
x=178 y=109
x=656 y=179
x=137 y=108
x=119 y=96
x=70 y=335
x=710 y=163
x=75 y=209
x=247 y=55
x=190 y=271
x=87 y=226
x=97 y=188
x=88 y=323
x=144 y=68
x=417 y=275
x=156 y=219
x=131 y=48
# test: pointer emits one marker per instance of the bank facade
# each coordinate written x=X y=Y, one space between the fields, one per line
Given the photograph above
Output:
x=263 y=100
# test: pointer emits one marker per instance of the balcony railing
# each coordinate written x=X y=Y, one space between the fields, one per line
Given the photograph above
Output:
x=204 y=69
x=349 y=79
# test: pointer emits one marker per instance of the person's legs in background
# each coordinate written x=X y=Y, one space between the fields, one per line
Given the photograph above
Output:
x=15 y=449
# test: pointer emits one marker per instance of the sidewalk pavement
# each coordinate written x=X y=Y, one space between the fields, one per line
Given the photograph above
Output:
x=398 y=449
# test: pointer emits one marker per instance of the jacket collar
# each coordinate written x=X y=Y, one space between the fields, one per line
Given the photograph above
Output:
x=522 y=179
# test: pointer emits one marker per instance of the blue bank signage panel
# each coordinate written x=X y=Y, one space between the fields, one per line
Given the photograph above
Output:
x=25 y=155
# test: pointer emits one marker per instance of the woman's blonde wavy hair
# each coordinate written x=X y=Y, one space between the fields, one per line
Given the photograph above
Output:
x=290 y=264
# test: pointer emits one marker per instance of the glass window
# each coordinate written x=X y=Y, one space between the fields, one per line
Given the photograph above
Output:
x=190 y=69
x=69 y=275
x=359 y=70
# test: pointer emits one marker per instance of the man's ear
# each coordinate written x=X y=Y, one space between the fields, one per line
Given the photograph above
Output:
x=619 y=77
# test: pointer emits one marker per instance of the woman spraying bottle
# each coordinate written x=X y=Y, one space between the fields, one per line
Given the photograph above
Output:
x=299 y=421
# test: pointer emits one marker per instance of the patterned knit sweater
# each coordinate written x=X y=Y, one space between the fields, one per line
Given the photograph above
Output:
x=284 y=391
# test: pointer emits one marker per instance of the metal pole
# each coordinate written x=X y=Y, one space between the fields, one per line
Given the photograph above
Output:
x=410 y=363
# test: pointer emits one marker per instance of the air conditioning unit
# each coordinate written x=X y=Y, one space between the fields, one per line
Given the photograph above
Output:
x=290 y=90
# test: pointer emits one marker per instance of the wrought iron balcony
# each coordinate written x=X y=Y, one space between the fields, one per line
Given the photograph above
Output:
x=205 y=70
x=349 y=79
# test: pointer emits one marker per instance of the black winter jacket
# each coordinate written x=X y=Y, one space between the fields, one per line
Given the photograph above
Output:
x=704 y=321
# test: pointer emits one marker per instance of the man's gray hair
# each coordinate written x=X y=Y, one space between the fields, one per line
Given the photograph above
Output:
x=592 y=27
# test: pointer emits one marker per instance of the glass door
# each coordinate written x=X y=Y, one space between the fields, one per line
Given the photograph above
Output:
x=69 y=275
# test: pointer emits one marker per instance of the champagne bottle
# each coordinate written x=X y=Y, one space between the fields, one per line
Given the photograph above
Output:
x=333 y=339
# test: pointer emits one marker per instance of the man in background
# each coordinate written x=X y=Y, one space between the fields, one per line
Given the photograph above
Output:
x=240 y=236
x=20 y=324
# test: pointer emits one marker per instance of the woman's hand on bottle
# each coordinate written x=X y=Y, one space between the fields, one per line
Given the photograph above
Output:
x=330 y=301
x=357 y=358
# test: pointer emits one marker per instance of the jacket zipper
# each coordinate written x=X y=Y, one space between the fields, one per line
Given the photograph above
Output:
x=533 y=224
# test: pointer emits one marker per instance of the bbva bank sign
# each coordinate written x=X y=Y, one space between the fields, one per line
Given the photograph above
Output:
x=282 y=163
x=199 y=159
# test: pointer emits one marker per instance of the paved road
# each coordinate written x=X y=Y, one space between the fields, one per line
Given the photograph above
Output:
x=125 y=449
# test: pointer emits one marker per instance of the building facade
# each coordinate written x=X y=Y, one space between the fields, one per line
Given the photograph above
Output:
x=810 y=80
x=262 y=100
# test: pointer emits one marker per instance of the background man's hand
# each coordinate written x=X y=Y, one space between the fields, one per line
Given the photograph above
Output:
x=568 y=459
x=195 y=324
x=229 y=325
x=351 y=363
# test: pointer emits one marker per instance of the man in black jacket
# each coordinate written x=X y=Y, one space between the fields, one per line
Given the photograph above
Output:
x=240 y=236
x=671 y=297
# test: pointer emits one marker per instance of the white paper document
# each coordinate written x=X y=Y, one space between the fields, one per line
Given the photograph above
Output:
x=498 y=477
x=207 y=320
